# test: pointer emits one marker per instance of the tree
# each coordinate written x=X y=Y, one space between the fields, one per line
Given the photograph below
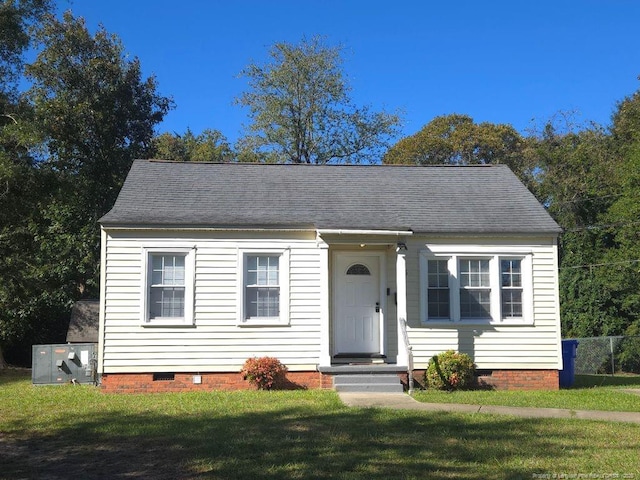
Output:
x=16 y=17
x=209 y=146
x=18 y=180
x=301 y=111
x=95 y=108
x=623 y=215
x=575 y=175
x=93 y=113
x=457 y=140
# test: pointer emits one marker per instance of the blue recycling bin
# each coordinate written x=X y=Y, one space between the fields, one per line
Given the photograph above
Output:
x=568 y=372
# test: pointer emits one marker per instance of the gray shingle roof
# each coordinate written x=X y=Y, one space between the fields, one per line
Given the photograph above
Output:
x=438 y=199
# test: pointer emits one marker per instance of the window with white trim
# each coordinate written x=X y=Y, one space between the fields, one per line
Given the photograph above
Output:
x=511 y=288
x=264 y=287
x=168 y=289
x=490 y=287
x=438 y=303
x=475 y=288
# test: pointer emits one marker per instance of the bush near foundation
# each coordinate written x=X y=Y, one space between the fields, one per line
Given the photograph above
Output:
x=265 y=373
x=450 y=370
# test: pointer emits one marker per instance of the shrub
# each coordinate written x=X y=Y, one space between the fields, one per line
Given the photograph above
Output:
x=265 y=373
x=450 y=370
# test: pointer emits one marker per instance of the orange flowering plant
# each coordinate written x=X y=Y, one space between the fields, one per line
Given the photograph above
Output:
x=265 y=373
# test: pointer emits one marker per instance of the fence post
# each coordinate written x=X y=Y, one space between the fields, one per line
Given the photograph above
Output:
x=613 y=362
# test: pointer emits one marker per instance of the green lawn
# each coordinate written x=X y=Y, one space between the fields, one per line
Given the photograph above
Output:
x=590 y=392
x=62 y=432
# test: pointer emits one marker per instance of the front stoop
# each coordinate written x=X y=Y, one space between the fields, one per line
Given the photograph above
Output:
x=379 y=383
x=370 y=378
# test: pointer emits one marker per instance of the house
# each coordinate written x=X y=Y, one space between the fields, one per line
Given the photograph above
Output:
x=205 y=265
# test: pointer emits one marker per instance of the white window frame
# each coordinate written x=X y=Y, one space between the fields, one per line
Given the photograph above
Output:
x=283 y=283
x=427 y=288
x=459 y=287
x=189 y=281
x=511 y=288
x=493 y=255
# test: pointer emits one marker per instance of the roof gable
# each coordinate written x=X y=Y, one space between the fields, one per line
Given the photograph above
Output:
x=433 y=199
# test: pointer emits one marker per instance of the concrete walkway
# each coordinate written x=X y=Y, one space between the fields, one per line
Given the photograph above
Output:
x=402 y=401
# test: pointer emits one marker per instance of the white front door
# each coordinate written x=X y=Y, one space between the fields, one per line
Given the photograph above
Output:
x=357 y=303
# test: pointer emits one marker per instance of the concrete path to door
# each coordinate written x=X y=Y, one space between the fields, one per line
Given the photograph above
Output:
x=402 y=401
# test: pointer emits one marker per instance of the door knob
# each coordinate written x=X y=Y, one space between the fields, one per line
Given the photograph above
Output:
x=377 y=306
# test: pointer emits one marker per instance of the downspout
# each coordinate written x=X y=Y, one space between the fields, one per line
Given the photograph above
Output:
x=103 y=297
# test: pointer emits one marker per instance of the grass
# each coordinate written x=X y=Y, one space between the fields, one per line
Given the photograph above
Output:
x=76 y=431
x=590 y=392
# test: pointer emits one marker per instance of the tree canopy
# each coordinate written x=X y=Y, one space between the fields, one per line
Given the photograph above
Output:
x=87 y=114
x=457 y=140
x=301 y=112
x=209 y=146
x=16 y=17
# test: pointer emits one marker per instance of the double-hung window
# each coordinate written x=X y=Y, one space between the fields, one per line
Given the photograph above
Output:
x=474 y=288
x=262 y=288
x=168 y=289
x=511 y=288
x=264 y=291
x=438 y=302
x=491 y=286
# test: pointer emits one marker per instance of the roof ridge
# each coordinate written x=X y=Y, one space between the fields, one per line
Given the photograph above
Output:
x=301 y=165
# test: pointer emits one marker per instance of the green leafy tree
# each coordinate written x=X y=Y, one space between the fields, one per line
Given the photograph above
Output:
x=301 y=111
x=97 y=111
x=19 y=182
x=623 y=216
x=16 y=18
x=22 y=190
x=92 y=114
x=209 y=146
x=457 y=140
x=574 y=179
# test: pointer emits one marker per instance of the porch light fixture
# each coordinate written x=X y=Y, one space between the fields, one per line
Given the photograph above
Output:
x=401 y=246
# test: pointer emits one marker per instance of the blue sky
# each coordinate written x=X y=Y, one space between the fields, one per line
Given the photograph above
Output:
x=499 y=61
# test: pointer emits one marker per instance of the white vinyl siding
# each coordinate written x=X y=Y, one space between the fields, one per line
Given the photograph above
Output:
x=214 y=342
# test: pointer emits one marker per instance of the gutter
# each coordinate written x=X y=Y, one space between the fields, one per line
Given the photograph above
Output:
x=396 y=233
x=208 y=229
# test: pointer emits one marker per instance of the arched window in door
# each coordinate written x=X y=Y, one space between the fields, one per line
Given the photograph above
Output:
x=358 y=269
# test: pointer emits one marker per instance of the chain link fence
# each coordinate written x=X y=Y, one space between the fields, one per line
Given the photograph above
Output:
x=610 y=355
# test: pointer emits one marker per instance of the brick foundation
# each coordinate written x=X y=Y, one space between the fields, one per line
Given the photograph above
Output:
x=181 y=382
x=508 y=379
x=521 y=380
